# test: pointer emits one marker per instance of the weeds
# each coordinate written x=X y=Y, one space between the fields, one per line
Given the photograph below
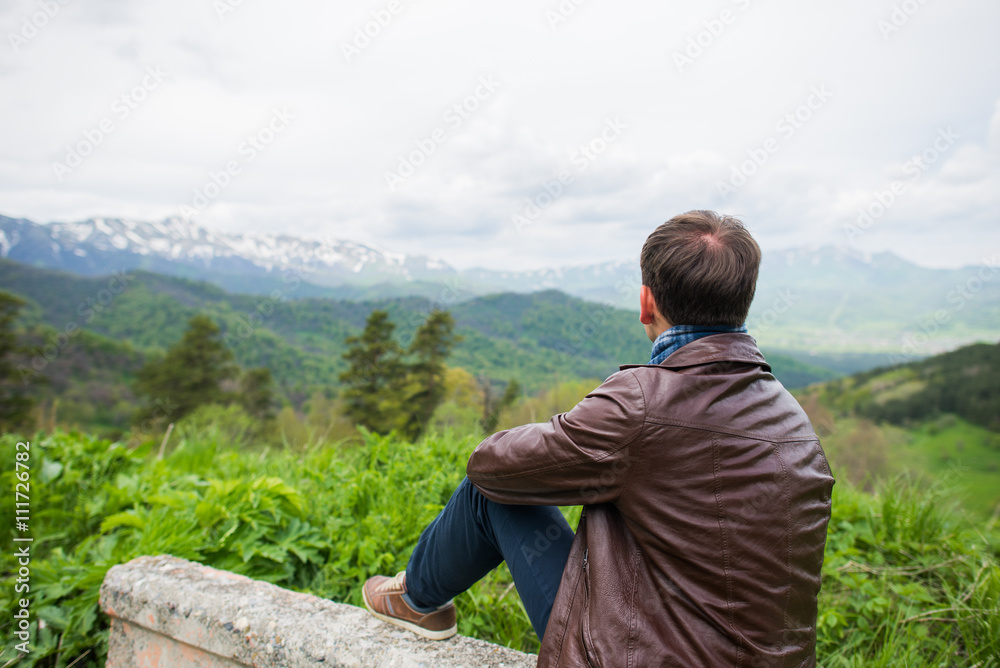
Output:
x=906 y=583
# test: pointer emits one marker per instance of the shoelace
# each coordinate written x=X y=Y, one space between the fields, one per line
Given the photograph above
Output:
x=396 y=583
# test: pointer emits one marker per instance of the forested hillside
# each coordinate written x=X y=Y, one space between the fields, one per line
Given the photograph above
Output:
x=533 y=336
x=965 y=382
x=539 y=340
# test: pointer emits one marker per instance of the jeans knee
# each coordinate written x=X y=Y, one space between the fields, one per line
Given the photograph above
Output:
x=475 y=499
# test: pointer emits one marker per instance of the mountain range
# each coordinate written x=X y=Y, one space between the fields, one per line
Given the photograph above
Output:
x=183 y=248
x=820 y=300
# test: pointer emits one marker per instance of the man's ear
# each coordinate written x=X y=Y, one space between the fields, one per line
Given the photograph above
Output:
x=648 y=311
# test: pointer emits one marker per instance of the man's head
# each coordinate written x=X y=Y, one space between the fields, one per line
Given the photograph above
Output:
x=698 y=268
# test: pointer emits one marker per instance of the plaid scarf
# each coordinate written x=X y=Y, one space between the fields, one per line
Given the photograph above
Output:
x=671 y=340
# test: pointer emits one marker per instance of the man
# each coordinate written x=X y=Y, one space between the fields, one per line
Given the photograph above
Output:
x=706 y=493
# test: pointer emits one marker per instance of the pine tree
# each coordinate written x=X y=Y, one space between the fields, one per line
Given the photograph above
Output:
x=376 y=373
x=493 y=408
x=256 y=395
x=387 y=390
x=431 y=345
x=190 y=375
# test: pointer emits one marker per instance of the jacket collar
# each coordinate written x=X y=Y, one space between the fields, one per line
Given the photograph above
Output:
x=734 y=347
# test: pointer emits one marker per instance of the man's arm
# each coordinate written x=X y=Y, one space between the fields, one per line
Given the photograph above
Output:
x=581 y=457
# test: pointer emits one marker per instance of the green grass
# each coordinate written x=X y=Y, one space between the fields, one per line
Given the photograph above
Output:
x=953 y=446
x=907 y=581
x=947 y=447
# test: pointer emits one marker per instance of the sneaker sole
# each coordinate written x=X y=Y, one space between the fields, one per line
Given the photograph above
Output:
x=409 y=626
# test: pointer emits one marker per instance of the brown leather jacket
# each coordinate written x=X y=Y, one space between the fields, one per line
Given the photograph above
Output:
x=706 y=499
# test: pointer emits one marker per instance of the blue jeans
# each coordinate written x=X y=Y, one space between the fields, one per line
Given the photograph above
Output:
x=473 y=535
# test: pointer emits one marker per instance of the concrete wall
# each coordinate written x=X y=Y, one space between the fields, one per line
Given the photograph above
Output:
x=170 y=612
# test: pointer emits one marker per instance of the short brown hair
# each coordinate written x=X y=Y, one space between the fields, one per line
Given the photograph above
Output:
x=701 y=268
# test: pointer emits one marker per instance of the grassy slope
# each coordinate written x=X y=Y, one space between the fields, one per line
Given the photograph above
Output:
x=947 y=449
x=956 y=448
x=882 y=422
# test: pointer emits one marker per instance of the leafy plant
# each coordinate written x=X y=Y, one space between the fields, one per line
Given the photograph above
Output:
x=906 y=581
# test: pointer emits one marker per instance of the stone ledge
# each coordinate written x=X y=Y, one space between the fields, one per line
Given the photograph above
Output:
x=167 y=611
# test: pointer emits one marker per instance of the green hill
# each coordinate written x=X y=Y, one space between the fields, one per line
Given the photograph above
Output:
x=965 y=382
x=539 y=338
x=534 y=337
x=939 y=418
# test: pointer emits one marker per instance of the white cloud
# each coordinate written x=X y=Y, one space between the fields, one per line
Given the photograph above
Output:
x=325 y=175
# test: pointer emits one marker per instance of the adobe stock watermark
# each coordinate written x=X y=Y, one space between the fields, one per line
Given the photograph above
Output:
x=562 y=13
x=224 y=7
x=783 y=300
x=914 y=168
x=364 y=34
x=121 y=108
x=247 y=152
x=584 y=155
x=87 y=310
x=542 y=541
x=901 y=14
x=614 y=473
x=958 y=297
x=786 y=127
x=576 y=336
x=705 y=38
x=451 y=292
x=263 y=310
x=455 y=116
x=32 y=25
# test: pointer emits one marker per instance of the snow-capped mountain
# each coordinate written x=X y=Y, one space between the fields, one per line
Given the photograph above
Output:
x=820 y=277
x=178 y=247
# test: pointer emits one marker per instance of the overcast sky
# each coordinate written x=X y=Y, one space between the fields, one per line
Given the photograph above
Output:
x=579 y=126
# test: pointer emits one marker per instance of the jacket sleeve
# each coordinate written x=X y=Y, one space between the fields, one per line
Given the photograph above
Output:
x=581 y=457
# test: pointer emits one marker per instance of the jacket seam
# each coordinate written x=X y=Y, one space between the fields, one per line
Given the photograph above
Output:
x=761 y=362
x=721 y=518
x=565 y=626
x=638 y=436
x=788 y=544
x=732 y=432
x=633 y=630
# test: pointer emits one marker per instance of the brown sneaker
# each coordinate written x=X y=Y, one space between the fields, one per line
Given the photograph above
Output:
x=383 y=597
